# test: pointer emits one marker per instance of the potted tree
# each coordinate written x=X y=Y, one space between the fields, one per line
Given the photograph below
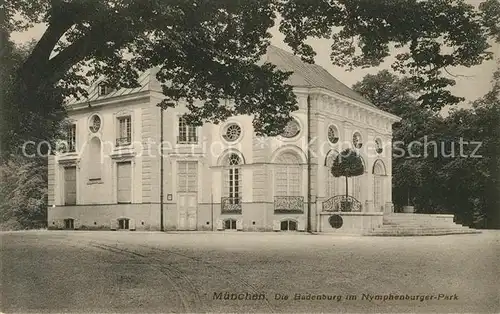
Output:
x=409 y=209
x=347 y=164
x=408 y=177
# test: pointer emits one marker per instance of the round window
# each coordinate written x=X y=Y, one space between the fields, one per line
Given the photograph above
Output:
x=292 y=129
x=333 y=134
x=335 y=221
x=232 y=132
x=378 y=146
x=356 y=140
x=95 y=123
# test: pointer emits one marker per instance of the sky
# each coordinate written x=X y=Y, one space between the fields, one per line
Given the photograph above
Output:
x=471 y=83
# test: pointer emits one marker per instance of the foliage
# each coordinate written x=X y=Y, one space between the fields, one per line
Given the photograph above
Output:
x=471 y=184
x=23 y=194
x=448 y=178
x=347 y=164
x=209 y=50
x=39 y=119
x=399 y=96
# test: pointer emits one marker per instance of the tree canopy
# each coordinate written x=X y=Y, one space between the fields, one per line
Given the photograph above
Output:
x=347 y=164
x=463 y=181
x=209 y=50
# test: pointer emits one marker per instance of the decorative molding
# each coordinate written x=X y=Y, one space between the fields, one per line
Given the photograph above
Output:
x=123 y=155
x=92 y=182
x=71 y=159
x=123 y=113
x=109 y=101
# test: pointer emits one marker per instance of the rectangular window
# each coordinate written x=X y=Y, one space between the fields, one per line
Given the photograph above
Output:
x=232 y=185
x=124 y=131
x=187 y=133
x=70 y=186
x=187 y=176
x=71 y=138
x=124 y=182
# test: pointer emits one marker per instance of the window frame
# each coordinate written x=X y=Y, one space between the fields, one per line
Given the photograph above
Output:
x=186 y=133
x=233 y=183
x=288 y=175
x=71 y=138
x=122 y=140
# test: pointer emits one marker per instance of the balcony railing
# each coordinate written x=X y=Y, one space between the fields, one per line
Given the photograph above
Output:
x=193 y=139
x=230 y=205
x=123 y=141
x=288 y=204
x=342 y=203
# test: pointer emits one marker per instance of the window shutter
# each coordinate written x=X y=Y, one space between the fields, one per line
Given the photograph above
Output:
x=301 y=226
x=239 y=224
x=131 y=224
x=276 y=225
x=220 y=224
x=113 y=224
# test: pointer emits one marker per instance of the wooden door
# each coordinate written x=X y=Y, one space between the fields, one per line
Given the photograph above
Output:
x=187 y=207
x=187 y=196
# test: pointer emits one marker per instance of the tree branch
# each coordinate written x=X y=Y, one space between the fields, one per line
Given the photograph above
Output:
x=63 y=16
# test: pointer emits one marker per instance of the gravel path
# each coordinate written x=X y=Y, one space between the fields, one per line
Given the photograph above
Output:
x=247 y=272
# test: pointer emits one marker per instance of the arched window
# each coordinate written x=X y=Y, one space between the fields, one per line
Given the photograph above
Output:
x=288 y=225
x=333 y=184
x=123 y=223
x=94 y=159
x=232 y=188
x=69 y=223
x=378 y=185
x=288 y=179
x=230 y=224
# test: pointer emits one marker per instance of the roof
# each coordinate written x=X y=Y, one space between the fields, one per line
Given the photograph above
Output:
x=144 y=81
x=304 y=75
x=309 y=75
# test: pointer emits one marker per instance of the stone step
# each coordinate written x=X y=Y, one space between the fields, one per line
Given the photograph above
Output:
x=397 y=229
x=420 y=232
x=402 y=224
x=418 y=225
x=417 y=219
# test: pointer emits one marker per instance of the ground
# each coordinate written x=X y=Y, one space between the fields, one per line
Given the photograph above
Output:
x=59 y=271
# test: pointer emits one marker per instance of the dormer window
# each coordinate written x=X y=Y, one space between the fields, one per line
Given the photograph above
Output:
x=103 y=89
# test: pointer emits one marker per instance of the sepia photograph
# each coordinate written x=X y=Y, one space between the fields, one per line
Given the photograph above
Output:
x=250 y=156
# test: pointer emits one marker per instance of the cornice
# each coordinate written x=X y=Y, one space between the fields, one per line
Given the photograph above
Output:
x=109 y=101
x=319 y=92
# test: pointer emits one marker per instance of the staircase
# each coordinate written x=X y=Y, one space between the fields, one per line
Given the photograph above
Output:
x=397 y=224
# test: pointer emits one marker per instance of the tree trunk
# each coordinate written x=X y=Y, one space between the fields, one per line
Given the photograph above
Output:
x=346 y=188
